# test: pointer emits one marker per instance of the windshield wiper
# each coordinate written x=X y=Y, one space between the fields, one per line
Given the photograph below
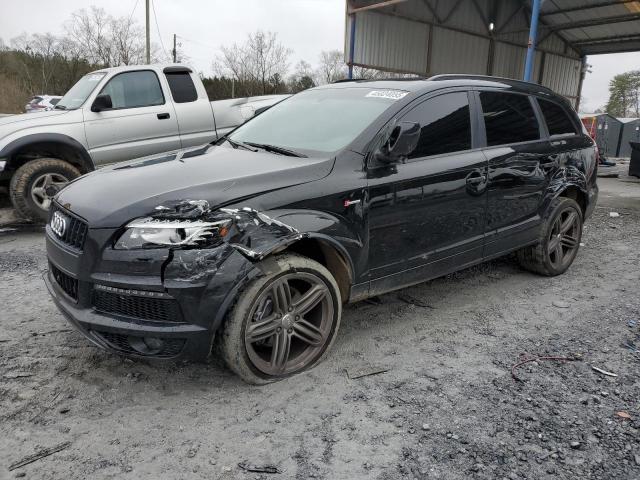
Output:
x=235 y=144
x=59 y=107
x=276 y=149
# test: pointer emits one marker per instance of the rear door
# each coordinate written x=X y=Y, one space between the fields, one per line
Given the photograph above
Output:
x=427 y=215
x=141 y=122
x=521 y=163
x=192 y=107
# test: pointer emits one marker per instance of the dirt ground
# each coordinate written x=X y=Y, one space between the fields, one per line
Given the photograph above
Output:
x=447 y=407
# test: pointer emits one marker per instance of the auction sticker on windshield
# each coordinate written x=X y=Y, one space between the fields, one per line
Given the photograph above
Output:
x=392 y=94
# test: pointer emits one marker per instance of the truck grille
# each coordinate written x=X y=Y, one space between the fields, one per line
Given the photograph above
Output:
x=68 y=284
x=154 y=309
x=75 y=229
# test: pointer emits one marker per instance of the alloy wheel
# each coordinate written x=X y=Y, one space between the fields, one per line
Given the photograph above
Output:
x=45 y=187
x=564 y=238
x=290 y=324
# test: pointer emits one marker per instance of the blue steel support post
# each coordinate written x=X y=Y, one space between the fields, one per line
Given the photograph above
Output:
x=533 y=36
x=352 y=44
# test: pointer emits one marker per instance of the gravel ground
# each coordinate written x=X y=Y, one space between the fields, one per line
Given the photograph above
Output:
x=446 y=407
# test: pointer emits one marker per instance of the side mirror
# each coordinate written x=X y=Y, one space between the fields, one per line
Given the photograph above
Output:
x=402 y=140
x=102 y=102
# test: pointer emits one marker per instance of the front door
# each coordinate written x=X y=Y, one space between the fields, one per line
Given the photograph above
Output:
x=427 y=215
x=141 y=122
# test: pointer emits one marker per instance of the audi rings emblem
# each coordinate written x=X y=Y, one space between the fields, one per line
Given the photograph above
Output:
x=58 y=223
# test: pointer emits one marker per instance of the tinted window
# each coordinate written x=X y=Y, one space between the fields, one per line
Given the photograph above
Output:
x=558 y=122
x=445 y=125
x=54 y=101
x=508 y=118
x=134 y=89
x=182 y=88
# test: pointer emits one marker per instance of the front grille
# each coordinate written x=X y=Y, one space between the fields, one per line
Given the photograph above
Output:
x=123 y=343
x=155 y=309
x=68 y=284
x=75 y=229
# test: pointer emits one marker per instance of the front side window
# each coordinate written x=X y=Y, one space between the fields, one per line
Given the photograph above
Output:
x=134 y=89
x=445 y=125
x=557 y=120
x=508 y=118
x=182 y=88
x=79 y=93
x=323 y=120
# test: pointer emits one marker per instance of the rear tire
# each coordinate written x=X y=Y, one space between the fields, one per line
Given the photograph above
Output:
x=36 y=182
x=559 y=240
x=265 y=317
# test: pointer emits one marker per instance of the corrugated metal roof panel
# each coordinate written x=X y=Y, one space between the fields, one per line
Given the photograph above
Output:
x=391 y=43
x=455 y=52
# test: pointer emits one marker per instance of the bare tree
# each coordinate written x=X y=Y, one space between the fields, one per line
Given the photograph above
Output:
x=331 y=67
x=259 y=60
x=105 y=40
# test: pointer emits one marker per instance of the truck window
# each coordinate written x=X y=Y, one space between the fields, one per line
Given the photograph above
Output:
x=182 y=88
x=558 y=122
x=134 y=89
x=508 y=118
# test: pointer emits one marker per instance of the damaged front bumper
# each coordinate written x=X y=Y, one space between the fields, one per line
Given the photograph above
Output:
x=159 y=302
x=155 y=303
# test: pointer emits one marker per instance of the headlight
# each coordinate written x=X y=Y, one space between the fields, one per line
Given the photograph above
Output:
x=149 y=232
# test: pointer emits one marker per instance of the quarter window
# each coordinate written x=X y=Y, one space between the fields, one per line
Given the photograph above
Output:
x=556 y=118
x=445 y=125
x=134 y=89
x=508 y=118
x=182 y=88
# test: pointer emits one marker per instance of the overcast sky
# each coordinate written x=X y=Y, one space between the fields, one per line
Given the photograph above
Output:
x=306 y=26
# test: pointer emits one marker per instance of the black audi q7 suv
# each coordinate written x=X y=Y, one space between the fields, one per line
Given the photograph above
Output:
x=248 y=247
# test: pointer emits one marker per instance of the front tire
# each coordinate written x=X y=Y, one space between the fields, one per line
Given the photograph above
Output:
x=283 y=323
x=35 y=183
x=559 y=240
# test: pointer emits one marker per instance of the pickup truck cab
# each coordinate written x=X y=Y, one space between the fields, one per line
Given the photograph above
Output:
x=108 y=116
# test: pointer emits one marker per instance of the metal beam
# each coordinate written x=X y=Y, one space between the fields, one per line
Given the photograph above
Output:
x=587 y=7
x=509 y=19
x=432 y=10
x=452 y=11
x=612 y=38
x=531 y=47
x=375 y=6
x=595 y=21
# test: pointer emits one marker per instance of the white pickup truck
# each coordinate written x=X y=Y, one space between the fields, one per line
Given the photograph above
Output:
x=112 y=115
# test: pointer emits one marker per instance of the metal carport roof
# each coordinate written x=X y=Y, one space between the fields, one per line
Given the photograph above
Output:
x=491 y=37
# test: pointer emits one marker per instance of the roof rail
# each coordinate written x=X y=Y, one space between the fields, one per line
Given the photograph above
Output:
x=512 y=81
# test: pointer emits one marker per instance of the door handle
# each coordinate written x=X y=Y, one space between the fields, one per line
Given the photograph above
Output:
x=163 y=116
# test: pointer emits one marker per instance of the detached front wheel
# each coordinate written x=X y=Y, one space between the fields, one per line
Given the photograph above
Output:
x=283 y=323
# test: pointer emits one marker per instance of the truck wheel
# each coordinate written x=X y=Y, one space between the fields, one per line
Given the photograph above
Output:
x=559 y=241
x=283 y=323
x=35 y=183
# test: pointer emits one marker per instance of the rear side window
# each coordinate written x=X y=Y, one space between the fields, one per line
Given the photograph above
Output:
x=182 y=88
x=445 y=125
x=556 y=118
x=508 y=118
x=134 y=89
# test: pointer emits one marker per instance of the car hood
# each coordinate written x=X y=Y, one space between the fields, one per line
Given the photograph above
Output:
x=112 y=196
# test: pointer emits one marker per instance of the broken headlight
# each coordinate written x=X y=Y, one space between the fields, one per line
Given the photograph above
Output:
x=150 y=232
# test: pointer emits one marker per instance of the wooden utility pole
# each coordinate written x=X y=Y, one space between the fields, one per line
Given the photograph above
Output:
x=174 y=49
x=147 y=33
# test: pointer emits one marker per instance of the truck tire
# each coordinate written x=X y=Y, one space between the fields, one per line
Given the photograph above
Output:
x=35 y=183
x=559 y=240
x=294 y=311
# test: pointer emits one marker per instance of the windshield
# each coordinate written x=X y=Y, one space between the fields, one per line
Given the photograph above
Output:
x=75 y=97
x=323 y=120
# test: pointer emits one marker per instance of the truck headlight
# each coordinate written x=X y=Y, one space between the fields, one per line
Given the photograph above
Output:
x=149 y=232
